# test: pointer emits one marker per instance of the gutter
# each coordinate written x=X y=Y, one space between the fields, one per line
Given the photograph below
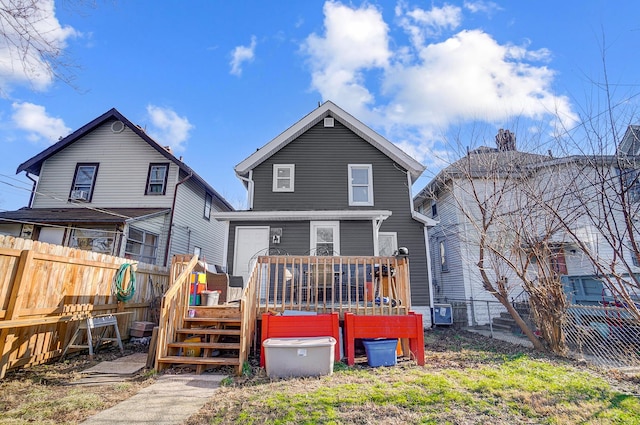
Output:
x=33 y=190
x=173 y=208
x=249 y=182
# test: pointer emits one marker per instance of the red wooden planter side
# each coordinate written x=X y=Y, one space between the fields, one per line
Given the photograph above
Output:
x=300 y=327
x=409 y=326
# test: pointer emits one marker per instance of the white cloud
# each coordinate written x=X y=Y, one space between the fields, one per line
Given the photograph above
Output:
x=355 y=40
x=242 y=54
x=22 y=45
x=433 y=85
x=422 y=24
x=487 y=7
x=169 y=129
x=471 y=77
x=34 y=120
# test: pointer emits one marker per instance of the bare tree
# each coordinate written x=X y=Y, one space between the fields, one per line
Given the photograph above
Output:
x=32 y=43
x=505 y=196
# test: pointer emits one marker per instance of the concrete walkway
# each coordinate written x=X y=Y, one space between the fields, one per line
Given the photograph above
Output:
x=169 y=401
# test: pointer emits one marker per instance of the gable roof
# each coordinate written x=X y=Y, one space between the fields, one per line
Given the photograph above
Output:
x=630 y=144
x=34 y=164
x=330 y=109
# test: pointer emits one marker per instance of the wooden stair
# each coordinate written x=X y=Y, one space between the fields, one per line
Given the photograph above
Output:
x=218 y=328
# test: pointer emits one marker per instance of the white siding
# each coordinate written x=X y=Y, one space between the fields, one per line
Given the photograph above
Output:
x=191 y=229
x=124 y=161
x=157 y=225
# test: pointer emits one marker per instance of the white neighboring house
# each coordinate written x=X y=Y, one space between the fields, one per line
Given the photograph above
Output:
x=109 y=187
x=455 y=255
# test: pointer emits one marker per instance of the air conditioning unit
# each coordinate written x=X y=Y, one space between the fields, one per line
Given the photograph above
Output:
x=79 y=195
x=442 y=314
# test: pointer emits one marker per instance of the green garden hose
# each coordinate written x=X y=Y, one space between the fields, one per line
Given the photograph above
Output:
x=122 y=293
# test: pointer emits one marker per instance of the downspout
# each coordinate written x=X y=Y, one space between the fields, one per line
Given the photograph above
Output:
x=173 y=208
x=33 y=190
x=427 y=246
x=249 y=182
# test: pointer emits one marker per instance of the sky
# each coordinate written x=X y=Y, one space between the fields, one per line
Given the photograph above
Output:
x=218 y=79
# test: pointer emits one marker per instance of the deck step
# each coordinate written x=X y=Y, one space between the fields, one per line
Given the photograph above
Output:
x=208 y=331
x=212 y=319
x=214 y=345
x=213 y=361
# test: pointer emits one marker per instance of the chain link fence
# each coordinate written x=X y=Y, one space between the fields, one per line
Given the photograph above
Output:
x=607 y=336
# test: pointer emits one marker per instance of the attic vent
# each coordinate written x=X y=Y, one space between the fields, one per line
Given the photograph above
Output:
x=117 y=127
x=328 y=122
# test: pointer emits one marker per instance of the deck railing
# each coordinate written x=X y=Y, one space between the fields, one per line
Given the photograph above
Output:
x=327 y=284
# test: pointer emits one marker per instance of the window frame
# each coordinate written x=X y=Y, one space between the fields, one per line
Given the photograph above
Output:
x=434 y=209
x=207 y=206
x=75 y=186
x=443 y=255
x=147 y=190
x=313 y=238
x=394 y=242
x=292 y=173
x=369 y=185
x=142 y=243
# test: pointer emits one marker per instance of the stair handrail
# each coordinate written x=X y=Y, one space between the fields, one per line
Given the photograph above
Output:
x=174 y=303
x=248 y=314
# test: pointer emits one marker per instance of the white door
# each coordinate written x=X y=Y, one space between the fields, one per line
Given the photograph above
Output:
x=251 y=241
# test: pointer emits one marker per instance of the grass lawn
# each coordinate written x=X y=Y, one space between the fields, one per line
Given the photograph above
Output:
x=468 y=379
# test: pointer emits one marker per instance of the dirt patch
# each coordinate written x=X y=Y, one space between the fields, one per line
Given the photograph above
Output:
x=50 y=394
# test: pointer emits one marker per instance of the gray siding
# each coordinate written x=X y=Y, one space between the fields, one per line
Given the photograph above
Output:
x=321 y=156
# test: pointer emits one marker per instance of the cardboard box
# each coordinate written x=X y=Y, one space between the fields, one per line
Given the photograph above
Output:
x=141 y=329
x=297 y=357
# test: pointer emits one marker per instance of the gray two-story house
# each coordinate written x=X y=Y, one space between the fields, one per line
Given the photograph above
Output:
x=330 y=185
x=109 y=187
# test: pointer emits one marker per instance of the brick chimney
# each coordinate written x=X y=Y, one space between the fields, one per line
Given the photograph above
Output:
x=505 y=140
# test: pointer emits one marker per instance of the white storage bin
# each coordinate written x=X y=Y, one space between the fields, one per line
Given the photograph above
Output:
x=296 y=357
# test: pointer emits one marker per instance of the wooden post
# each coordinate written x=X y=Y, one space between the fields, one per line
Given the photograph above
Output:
x=7 y=336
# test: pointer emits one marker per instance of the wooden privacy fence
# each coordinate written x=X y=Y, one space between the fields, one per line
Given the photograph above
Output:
x=45 y=290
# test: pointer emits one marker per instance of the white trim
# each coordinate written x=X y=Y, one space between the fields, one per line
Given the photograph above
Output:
x=292 y=174
x=301 y=215
x=313 y=238
x=330 y=109
x=369 y=185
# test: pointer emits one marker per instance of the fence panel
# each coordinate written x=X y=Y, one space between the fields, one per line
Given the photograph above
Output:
x=45 y=289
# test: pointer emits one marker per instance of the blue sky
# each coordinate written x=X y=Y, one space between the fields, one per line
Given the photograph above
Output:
x=218 y=79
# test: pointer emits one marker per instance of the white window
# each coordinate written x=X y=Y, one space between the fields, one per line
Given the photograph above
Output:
x=325 y=238
x=442 y=248
x=387 y=244
x=157 y=179
x=92 y=240
x=84 y=181
x=141 y=246
x=360 y=184
x=283 y=177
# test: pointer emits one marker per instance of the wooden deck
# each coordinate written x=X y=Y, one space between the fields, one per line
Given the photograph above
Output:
x=335 y=287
